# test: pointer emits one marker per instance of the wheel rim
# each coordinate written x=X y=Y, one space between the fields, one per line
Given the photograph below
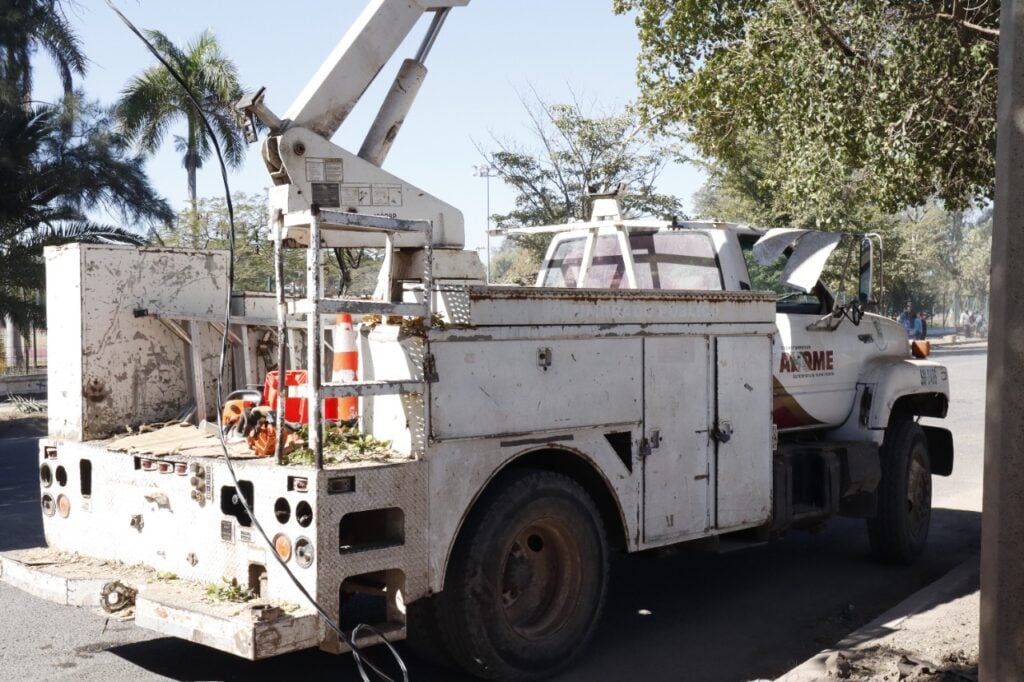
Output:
x=541 y=578
x=919 y=493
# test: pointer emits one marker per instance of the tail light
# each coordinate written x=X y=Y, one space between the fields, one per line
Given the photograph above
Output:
x=283 y=546
x=63 y=505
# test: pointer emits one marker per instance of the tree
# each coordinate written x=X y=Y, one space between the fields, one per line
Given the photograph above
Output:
x=933 y=259
x=27 y=26
x=207 y=227
x=976 y=265
x=58 y=164
x=573 y=152
x=153 y=101
x=891 y=103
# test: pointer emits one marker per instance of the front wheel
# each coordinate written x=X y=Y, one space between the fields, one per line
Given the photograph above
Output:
x=899 y=531
x=526 y=583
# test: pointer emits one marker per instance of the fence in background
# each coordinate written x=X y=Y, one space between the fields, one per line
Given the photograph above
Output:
x=28 y=357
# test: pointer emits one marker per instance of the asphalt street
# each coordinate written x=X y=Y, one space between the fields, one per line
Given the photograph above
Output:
x=738 y=616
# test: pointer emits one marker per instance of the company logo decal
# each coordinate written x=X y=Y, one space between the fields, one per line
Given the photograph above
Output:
x=799 y=363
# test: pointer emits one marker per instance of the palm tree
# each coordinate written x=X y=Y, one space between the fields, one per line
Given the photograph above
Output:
x=57 y=164
x=30 y=25
x=153 y=101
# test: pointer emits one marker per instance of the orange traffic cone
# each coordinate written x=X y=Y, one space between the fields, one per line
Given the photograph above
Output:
x=346 y=364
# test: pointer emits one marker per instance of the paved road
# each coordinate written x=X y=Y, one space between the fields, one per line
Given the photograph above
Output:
x=739 y=616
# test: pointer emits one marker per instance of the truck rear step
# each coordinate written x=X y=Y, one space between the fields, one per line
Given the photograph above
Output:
x=179 y=608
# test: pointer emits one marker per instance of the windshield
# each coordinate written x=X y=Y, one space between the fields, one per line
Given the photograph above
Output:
x=663 y=260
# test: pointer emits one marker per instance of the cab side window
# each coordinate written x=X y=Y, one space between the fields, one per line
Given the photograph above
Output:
x=564 y=266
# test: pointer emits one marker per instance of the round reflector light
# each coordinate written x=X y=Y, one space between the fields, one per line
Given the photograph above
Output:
x=283 y=546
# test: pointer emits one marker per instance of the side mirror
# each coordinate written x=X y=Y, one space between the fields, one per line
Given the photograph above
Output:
x=867 y=267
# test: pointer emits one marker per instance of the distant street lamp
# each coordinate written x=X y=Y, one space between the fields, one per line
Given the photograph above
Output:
x=487 y=171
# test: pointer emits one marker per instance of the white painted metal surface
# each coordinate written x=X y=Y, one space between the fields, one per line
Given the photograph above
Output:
x=504 y=388
x=678 y=414
x=354 y=63
x=744 y=431
x=108 y=366
x=319 y=172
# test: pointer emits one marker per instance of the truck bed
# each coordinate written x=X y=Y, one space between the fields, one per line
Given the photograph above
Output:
x=190 y=442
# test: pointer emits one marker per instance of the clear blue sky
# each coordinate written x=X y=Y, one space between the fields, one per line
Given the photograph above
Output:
x=487 y=53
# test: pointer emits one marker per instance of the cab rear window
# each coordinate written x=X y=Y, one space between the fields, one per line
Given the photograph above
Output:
x=663 y=260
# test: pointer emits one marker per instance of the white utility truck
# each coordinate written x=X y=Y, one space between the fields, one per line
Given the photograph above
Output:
x=652 y=389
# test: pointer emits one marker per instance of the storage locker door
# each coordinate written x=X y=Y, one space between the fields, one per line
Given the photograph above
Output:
x=677 y=411
x=743 y=430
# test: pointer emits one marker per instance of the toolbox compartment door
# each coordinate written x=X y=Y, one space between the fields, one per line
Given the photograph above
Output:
x=677 y=412
x=742 y=432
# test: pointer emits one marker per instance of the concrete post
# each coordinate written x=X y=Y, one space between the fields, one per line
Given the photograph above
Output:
x=1002 y=533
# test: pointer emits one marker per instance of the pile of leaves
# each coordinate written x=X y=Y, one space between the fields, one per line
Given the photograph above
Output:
x=344 y=443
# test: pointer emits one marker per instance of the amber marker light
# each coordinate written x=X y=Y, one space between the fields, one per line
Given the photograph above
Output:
x=63 y=505
x=283 y=546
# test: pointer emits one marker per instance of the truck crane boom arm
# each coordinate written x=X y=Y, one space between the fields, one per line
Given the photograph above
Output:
x=339 y=83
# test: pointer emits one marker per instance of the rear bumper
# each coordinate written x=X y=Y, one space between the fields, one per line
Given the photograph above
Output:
x=254 y=630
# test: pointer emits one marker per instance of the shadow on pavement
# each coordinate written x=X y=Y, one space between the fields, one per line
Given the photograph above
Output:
x=749 y=614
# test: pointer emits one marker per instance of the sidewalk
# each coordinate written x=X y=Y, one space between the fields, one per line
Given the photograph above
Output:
x=932 y=635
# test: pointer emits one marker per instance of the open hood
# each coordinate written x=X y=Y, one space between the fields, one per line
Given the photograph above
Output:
x=811 y=250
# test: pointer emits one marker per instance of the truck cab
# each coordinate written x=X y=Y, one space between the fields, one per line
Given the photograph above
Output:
x=823 y=352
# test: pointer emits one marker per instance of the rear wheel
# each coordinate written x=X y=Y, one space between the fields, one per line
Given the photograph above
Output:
x=527 y=580
x=899 y=532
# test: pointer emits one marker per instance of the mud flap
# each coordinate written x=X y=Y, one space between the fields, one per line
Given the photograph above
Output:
x=940 y=450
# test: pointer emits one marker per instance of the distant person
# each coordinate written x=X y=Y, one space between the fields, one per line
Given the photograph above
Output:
x=904 y=320
x=969 y=327
x=919 y=326
x=975 y=323
x=965 y=319
x=922 y=321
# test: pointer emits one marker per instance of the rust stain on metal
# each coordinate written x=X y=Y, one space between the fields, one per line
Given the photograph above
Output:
x=492 y=293
x=95 y=391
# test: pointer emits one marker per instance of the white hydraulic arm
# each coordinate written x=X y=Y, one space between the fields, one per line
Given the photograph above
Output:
x=309 y=171
x=328 y=99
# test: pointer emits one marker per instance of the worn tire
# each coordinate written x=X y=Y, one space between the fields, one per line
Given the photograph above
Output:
x=527 y=579
x=899 y=531
x=424 y=638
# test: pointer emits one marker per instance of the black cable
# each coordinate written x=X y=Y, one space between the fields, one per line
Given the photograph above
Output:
x=349 y=640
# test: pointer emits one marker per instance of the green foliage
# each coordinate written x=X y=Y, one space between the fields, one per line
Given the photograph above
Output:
x=933 y=259
x=154 y=101
x=976 y=265
x=57 y=163
x=230 y=591
x=845 y=102
x=342 y=443
x=513 y=264
x=27 y=26
x=574 y=151
x=207 y=227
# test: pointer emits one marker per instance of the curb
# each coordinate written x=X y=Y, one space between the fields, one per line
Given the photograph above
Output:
x=952 y=585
